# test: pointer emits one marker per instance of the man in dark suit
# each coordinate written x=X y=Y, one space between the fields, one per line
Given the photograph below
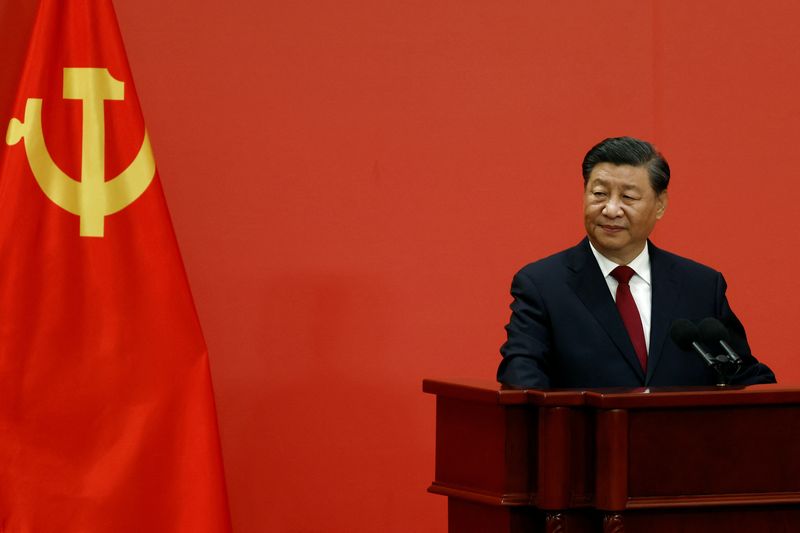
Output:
x=599 y=314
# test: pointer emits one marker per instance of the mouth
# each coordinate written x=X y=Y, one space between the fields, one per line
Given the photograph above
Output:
x=610 y=228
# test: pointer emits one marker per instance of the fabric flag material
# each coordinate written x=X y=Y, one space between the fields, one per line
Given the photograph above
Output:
x=107 y=416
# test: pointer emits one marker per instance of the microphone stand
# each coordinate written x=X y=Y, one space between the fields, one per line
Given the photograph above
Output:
x=726 y=367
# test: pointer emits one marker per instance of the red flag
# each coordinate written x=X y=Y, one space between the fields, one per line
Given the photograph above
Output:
x=107 y=418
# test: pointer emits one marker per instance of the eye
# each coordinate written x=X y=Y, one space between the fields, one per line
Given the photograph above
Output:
x=629 y=197
x=599 y=194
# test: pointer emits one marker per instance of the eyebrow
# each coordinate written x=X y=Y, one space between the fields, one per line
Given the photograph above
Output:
x=601 y=181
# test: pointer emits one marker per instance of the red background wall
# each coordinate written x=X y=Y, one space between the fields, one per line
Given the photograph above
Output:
x=354 y=183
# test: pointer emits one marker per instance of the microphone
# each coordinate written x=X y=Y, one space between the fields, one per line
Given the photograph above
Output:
x=686 y=335
x=712 y=330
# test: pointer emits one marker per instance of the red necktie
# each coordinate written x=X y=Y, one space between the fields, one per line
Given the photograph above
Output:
x=629 y=312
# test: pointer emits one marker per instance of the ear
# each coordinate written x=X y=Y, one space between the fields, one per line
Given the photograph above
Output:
x=661 y=204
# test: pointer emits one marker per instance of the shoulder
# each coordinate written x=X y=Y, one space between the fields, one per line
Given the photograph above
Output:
x=681 y=265
x=557 y=264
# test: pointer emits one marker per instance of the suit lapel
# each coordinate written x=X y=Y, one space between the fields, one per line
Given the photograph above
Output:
x=665 y=296
x=587 y=281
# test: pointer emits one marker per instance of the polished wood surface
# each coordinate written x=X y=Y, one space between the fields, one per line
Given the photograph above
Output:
x=690 y=460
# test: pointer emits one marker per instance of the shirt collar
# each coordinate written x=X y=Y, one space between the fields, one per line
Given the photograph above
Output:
x=640 y=264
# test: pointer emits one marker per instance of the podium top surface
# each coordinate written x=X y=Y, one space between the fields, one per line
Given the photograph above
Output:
x=486 y=391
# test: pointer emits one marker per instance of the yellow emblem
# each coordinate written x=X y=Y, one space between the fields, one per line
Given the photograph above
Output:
x=92 y=198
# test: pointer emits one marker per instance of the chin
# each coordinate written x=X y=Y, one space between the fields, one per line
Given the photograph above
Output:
x=607 y=241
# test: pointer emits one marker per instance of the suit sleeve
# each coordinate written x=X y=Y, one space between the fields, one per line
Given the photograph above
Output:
x=525 y=353
x=752 y=372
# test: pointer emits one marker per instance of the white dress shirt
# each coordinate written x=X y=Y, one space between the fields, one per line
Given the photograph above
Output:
x=641 y=289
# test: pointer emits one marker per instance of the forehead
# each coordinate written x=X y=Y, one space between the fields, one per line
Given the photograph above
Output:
x=623 y=176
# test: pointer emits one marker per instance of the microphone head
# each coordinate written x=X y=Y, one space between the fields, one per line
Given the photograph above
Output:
x=712 y=330
x=684 y=333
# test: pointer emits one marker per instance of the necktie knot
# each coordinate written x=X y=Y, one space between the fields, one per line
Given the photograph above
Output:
x=623 y=274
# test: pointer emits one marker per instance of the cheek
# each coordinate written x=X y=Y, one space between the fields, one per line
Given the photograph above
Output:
x=592 y=210
x=642 y=222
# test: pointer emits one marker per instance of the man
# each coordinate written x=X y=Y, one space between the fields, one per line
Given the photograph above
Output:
x=599 y=314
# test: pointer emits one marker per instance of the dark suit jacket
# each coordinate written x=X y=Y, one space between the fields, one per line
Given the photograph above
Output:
x=565 y=330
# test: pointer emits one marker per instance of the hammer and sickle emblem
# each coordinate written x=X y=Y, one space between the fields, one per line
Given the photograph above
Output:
x=92 y=198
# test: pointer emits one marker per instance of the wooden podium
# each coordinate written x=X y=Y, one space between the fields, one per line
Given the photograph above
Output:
x=677 y=460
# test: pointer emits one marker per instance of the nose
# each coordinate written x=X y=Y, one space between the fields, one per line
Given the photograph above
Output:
x=613 y=208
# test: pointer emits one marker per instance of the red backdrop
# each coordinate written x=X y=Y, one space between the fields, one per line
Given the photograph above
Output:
x=354 y=183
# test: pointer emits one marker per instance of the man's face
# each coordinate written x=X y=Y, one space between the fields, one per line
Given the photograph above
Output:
x=620 y=209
